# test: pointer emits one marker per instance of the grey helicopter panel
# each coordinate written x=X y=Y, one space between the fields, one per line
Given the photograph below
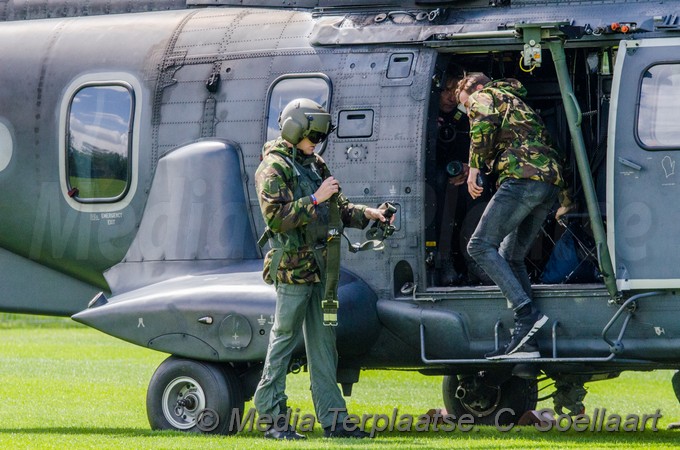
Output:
x=382 y=91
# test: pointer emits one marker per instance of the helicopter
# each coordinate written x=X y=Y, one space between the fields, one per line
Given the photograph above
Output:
x=130 y=133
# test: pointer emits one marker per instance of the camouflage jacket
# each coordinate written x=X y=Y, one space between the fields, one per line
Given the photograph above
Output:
x=275 y=182
x=508 y=137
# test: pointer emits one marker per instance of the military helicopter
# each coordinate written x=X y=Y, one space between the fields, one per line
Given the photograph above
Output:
x=130 y=133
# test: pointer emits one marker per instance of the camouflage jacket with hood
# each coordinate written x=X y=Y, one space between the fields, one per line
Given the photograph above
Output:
x=509 y=138
x=288 y=217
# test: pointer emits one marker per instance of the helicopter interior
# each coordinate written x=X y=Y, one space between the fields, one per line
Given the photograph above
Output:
x=563 y=252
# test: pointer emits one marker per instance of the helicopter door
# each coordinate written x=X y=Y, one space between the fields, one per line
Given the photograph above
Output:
x=644 y=148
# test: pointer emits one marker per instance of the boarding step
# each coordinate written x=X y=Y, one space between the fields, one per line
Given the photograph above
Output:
x=616 y=347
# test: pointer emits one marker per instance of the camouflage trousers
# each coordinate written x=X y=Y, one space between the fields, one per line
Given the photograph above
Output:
x=298 y=309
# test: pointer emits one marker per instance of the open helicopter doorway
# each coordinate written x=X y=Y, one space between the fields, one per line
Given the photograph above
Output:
x=451 y=213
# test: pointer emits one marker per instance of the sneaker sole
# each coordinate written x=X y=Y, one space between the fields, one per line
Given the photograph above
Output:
x=537 y=326
x=516 y=355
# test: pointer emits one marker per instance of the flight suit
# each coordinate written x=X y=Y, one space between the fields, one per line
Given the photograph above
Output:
x=296 y=266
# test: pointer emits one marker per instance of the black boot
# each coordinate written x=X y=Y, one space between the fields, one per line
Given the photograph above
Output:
x=282 y=430
x=340 y=432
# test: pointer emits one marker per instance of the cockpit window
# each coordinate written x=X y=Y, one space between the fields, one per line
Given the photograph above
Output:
x=657 y=122
x=289 y=87
x=99 y=143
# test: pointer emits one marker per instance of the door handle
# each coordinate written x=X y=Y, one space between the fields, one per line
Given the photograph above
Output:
x=630 y=164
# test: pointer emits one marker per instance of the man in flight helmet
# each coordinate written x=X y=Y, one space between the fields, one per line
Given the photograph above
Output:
x=303 y=118
x=296 y=192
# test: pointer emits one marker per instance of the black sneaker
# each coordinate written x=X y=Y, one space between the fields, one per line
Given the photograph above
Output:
x=526 y=351
x=521 y=345
x=287 y=434
x=340 y=432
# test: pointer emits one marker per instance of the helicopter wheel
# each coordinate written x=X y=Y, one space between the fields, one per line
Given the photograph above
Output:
x=487 y=400
x=193 y=396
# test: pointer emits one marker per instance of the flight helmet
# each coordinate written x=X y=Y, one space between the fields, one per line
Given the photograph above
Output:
x=304 y=118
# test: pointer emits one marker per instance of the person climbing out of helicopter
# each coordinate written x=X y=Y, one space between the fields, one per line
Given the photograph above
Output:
x=509 y=138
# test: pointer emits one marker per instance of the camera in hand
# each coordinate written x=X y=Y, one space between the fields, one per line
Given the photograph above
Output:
x=383 y=230
x=386 y=227
x=454 y=168
x=481 y=179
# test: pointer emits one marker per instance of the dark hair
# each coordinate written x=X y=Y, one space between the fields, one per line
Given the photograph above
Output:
x=470 y=82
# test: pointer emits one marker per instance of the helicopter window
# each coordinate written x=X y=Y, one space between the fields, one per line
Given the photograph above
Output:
x=315 y=87
x=99 y=144
x=659 y=97
x=355 y=124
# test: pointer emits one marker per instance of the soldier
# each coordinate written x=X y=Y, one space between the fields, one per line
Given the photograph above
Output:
x=510 y=139
x=453 y=143
x=449 y=151
x=297 y=195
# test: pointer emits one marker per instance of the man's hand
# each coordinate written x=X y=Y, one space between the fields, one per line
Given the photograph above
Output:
x=329 y=187
x=474 y=189
x=562 y=210
x=377 y=214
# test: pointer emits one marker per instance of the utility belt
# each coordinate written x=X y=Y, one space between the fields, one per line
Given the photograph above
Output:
x=329 y=266
x=275 y=243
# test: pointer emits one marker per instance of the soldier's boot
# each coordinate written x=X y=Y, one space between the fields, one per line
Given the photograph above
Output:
x=283 y=431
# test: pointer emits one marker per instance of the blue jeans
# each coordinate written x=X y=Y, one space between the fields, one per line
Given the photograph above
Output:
x=505 y=233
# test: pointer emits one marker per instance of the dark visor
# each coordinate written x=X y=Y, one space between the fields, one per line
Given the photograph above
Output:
x=316 y=136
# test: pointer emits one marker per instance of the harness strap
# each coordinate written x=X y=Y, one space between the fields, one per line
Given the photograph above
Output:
x=330 y=303
x=277 y=254
x=265 y=237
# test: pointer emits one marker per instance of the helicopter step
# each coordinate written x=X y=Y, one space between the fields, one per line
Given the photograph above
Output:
x=616 y=346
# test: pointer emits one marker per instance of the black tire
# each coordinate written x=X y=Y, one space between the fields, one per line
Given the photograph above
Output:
x=193 y=396
x=488 y=401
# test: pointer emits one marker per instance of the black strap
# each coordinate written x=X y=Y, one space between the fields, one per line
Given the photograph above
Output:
x=330 y=303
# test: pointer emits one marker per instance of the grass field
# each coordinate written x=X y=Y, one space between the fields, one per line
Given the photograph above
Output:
x=98 y=187
x=66 y=386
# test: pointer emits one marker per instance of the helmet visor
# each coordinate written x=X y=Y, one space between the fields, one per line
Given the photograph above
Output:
x=316 y=136
x=319 y=127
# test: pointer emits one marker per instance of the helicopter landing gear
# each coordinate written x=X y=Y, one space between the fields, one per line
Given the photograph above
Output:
x=193 y=396
x=490 y=400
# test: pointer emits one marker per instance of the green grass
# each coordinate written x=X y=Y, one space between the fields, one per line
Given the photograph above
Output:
x=16 y=321
x=98 y=187
x=72 y=387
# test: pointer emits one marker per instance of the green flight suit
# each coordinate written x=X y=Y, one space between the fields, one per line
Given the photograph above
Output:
x=295 y=265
